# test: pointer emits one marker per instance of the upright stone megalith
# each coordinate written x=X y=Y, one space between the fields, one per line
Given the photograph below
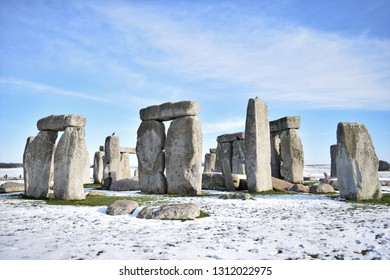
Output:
x=333 y=158
x=291 y=153
x=151 y=158
x=37 y=163
x=257 y=145
x=111 y=160
x=357 y=163
x=69 y=165
x=98 y=166
x=184 y=156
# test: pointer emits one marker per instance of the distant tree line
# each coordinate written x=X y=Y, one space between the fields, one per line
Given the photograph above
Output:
x=10 y=165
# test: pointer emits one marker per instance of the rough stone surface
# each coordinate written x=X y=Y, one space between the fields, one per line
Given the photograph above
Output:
x=213 y=181
x=98 y=167
x=99 y=193
x=238 y=157
x=231 y=137
x=357 y=163
x=127 y=150
x=124 y=166
x=209 y=162
x=227 y=175
x=333 y=157
x=61 y=122
x=321 y=188
x=238 y=195
x=299 y=188
x=69 y=163
x=127 y=184
x=183 y=211
x=224 y=151
x=170 y=111
x=275 y=155
x=291 y=154
x=151 y=158
x=111 y=161
x=10 y=187
x=184 y=156
x=383 y=166
x=38 y=158
x=280 y=185
x=25 y=174
x=122 y=207
x=290 y=122
x=257 y=145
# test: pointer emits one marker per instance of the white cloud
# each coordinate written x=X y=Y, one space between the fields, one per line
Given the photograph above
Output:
x=225 y=126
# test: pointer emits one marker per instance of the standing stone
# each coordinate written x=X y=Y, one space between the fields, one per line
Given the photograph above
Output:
x=275 y=155
x=333 y=157
x=238 y=157
x=98 y=167
x=184 y=156
x=224 y=151
x=25 y=173
x=151 y=159
x=209 y=162
x=357 y=163
x=291 y=153
x=69 y=165
x=124 y=166
x=111 y=163
x=37 y=163
x=227 y=175
x=257 y=144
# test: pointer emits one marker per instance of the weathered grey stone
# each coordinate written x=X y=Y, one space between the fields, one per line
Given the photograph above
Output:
x=61 y=122
x=334 y=183
x=333 y=156
x=257 y=144
x=151 y=159
x=227 y=175
x=170 y=111
x=291 y=154
x=209 y=162
x=111 y=161
x=238 y=157
x=183 y=211
x=69 y=165
x=10 y=187
x=25 y=174
x=213 y=150
x=224 y=151
x=236 y=195
x=184 y=156
x=321 y=188
x=87 y=171
x=290 y=122
x=124 y=166
x=231 y=137
x=127 y=150
x=280 y=185
x=101 y=148
x=213 y=181
x=122 y=207
x=127 y=184
x=357 y=163
x=275 y=155
x=98 y=167
x=298 y=188
x=383 y=166
x=97 y=193
x=37 y=158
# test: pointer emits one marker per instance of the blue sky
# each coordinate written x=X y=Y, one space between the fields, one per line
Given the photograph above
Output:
x=327 y=61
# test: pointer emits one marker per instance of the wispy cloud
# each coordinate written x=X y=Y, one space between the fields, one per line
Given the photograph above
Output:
x=225 y=126
x=284 y=63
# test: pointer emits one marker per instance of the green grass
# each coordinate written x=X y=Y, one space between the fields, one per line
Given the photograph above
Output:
x=385 y=200
x=93 y=186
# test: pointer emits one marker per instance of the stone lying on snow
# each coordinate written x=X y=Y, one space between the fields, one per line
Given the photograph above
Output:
x=11 y=187
x=122 y=207
x=383 y=166
x=280 y=185
x=127 y=184
x=170 y=111
x=321 y=188
x=61 y=122
x=243 y=196
x=299 y=188
x=183 y=211
x=98 y=193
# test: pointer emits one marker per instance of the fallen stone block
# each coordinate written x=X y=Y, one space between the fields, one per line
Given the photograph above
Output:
x=122 y=207
x=243 y=196
x=127 y=184
x=183 y=211
x=10 y=187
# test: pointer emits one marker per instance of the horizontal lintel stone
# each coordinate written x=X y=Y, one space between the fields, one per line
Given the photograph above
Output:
x=170 y=111
x=127 y=150
x=231 y=137
x=60 y=122
x=290 y=122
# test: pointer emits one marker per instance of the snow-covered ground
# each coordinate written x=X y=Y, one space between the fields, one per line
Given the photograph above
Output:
x=301 y=226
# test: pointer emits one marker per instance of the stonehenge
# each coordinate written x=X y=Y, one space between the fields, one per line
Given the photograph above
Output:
x=356 y=163
x=179 y=153
x=70 y=158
